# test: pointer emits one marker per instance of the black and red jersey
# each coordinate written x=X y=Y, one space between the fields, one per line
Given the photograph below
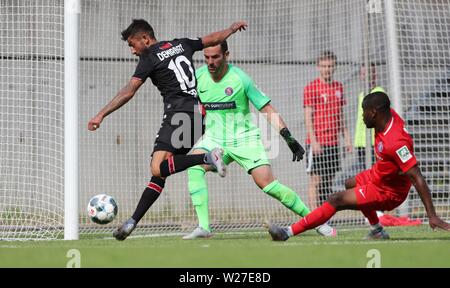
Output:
x=170 y=67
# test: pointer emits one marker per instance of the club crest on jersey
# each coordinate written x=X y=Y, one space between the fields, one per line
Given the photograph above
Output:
x=229 y=91
x=338 y=94
x=404 y=154
x=167 y=45
x=380 y=147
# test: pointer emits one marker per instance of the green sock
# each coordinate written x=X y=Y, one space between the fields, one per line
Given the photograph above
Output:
x=199 y=194
x=287 y=197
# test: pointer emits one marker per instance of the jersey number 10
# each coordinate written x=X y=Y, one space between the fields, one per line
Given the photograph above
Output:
x=180 y=73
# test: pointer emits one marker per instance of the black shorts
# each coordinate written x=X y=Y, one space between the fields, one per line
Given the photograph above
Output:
x=179 y=132
x=326 y=163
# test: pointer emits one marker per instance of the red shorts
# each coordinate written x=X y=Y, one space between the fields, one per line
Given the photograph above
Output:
x=372 y=197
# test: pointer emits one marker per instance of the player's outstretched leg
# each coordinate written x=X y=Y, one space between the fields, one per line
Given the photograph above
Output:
x=125 y=230
x=317 y=217
x=178 y=163
x=282 y=234
x=292 y=200
x=163 y=167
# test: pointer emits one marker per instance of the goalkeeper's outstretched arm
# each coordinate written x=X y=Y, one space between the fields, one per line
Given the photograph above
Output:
x=277 y=122
x=273 y=117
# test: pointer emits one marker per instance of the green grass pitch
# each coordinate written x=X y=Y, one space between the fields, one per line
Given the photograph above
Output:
x=417 y=246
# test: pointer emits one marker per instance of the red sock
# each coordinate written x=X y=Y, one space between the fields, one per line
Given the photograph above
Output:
x=314 y=219
x=372 y=216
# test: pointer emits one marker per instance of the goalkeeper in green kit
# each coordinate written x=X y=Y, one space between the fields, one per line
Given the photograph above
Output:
x=225 y=91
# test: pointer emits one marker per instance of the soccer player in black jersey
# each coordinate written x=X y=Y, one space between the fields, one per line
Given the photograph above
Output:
x=169 y=65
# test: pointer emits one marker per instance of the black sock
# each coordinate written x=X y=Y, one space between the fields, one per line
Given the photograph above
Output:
x=178 y=163
x=149 y=196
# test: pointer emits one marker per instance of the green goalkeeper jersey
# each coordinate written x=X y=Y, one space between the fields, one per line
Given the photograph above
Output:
x=228 y=118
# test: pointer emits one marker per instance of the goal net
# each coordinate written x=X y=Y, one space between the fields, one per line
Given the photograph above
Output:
x=403 y=46
x=31 y=119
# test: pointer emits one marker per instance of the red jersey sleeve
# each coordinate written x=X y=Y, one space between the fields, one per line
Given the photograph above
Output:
x=403 y=155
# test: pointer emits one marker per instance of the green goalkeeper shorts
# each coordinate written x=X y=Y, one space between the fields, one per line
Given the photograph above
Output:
x=248 y=155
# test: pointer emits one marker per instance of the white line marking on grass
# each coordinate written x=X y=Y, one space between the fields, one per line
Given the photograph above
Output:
x=147 y=236
x=345 y=242
x=181 y=234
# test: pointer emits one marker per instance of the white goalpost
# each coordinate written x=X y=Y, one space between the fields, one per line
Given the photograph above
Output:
x=72 y=9
x=62 y=61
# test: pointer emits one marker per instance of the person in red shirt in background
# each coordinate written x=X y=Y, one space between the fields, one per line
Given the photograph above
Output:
x=323 y=104
x=383 y=187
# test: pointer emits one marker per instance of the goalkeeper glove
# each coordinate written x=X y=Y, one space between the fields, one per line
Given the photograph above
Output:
x=293 y=144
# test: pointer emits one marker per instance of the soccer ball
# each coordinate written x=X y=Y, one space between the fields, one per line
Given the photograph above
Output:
x=102 y=209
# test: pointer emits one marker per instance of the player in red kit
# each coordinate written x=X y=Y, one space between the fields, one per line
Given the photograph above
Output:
x=324 y=102
x=383 y=187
